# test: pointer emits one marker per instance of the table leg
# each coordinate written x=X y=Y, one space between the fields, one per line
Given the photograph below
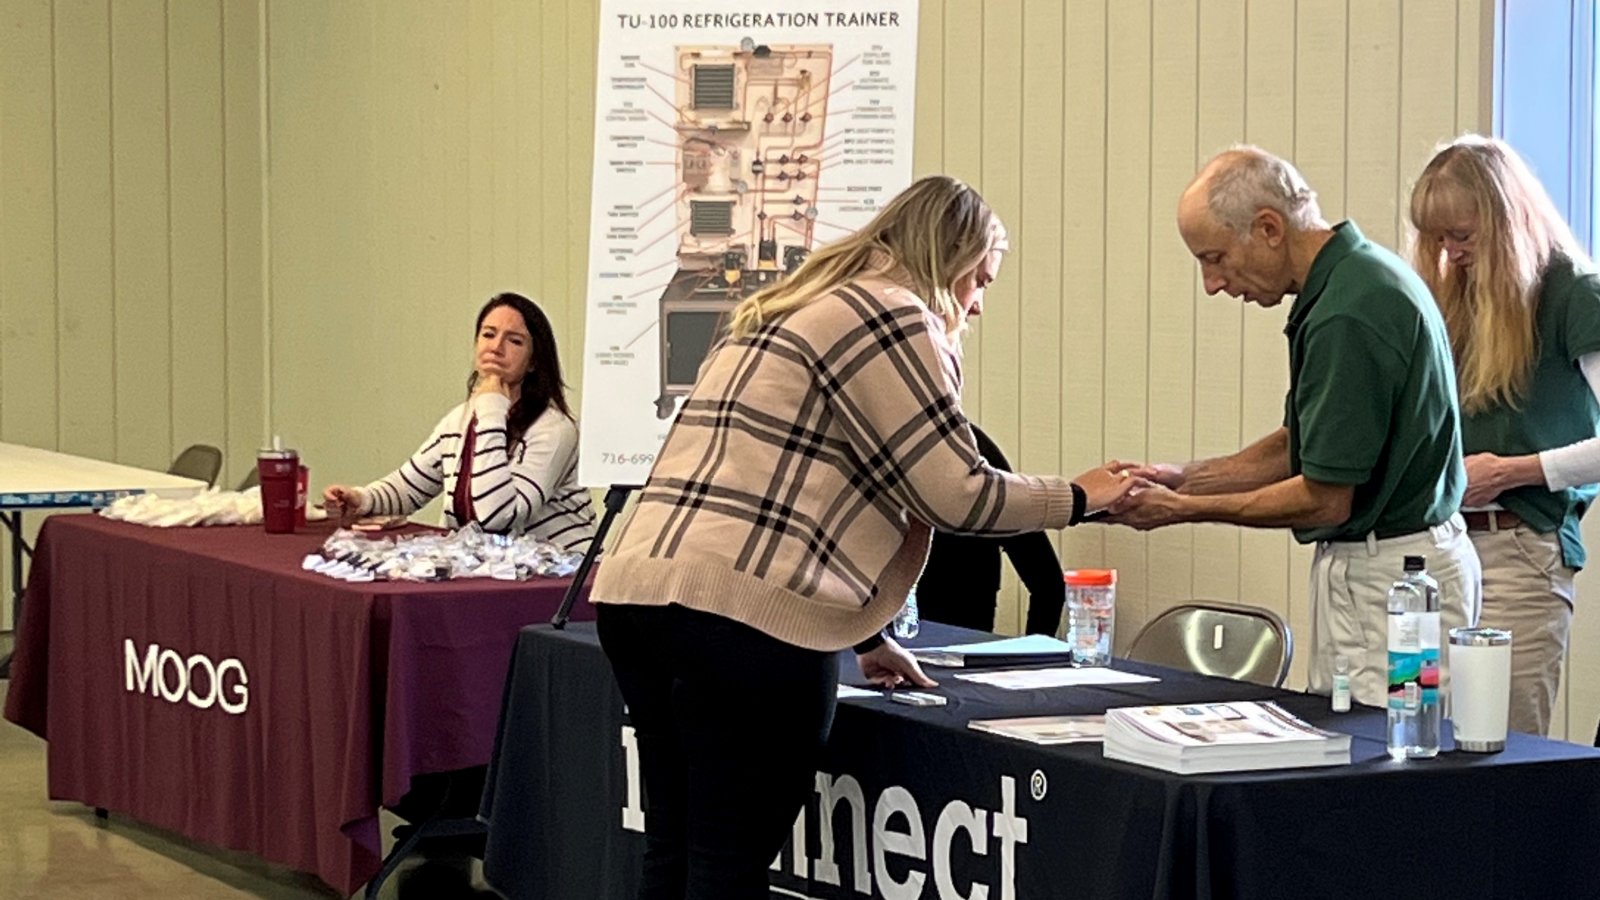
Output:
x=616 y=498
x=13 y=524
x=19 y=548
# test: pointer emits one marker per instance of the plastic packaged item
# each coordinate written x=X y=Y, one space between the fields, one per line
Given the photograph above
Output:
x=1341 y=683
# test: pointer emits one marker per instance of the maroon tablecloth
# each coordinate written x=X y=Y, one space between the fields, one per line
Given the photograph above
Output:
x=327 y=697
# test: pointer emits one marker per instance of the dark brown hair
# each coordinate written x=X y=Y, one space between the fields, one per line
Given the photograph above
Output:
x=542 y=387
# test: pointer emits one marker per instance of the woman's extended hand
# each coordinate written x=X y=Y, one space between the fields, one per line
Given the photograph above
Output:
x=342 y=503
x=889 y=665
x=1105 y=485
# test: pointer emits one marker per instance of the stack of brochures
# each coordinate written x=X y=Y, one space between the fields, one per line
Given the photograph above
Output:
x=1045 y=729
x=1017 y=651
x=1219 y=737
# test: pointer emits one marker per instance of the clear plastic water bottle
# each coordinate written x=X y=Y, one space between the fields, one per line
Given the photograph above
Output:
x=906 y=624
x=1414 y=663
x=1091 y=614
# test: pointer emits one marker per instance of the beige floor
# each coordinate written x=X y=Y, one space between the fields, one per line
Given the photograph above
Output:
x=59 y=850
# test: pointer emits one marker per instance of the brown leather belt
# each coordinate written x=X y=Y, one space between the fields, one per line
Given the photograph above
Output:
x=1492 y=520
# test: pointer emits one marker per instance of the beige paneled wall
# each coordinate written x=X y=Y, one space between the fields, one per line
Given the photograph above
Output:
x=217 y=212
x=423 y=156
x=130 y=229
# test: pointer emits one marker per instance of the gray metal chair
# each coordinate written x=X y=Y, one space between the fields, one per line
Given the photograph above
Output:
x=251 y=479
x=201 y=462
x=1229 y=640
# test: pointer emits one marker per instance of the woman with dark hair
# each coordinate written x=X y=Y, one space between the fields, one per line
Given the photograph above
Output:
x=506 y=458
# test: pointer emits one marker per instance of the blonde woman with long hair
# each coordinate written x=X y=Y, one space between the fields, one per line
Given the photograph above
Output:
x=787 y=515
x=1521 y=302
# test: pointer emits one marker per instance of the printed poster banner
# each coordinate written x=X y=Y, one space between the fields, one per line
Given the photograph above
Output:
x=728 y=145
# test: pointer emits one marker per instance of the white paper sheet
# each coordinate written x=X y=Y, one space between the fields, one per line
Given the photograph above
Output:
x=1038 y=679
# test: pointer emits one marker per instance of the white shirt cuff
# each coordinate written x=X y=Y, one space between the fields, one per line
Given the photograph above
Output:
x=1579 y=463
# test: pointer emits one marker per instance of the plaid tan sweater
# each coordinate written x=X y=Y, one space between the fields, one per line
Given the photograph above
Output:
x=796 y=490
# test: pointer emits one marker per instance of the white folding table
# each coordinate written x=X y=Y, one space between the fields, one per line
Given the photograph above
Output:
x=31 y=478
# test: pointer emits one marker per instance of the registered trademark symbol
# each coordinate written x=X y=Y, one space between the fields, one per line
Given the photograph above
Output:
x=1038 y=785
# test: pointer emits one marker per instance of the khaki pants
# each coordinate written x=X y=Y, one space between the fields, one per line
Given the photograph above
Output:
x=1527 y=590
x=1350 y=584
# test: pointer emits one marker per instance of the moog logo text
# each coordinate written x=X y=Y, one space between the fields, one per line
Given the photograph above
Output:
x=195 y=679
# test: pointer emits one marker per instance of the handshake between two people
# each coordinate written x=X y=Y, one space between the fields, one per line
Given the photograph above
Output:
x=1139 y=495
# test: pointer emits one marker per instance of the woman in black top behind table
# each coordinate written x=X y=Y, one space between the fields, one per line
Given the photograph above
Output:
x=961 y=582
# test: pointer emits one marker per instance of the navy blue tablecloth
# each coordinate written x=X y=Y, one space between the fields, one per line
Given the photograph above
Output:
x=920 y=806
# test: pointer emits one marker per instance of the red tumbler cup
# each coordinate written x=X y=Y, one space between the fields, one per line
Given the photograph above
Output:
x=279 y=471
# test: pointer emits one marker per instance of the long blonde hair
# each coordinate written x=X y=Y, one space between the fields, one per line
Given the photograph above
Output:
x=1490 y=308
x=930 y=235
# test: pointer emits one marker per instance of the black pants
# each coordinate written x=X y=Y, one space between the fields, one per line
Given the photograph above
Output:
x=731 y=724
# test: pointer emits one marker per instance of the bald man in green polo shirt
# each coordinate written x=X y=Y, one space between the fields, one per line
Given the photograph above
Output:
x=1368 y=462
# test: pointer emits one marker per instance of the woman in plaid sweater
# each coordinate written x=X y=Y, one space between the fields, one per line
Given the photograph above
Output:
x=787 y=515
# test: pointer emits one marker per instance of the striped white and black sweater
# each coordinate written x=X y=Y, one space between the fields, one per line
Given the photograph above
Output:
x=530 y=486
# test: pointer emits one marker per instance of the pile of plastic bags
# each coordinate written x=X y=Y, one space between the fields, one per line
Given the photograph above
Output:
x=470 y=552
x=211 y=507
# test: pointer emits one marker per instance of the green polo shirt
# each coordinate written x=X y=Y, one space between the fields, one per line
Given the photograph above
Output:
x=1558 y=409
x=1372 y=392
